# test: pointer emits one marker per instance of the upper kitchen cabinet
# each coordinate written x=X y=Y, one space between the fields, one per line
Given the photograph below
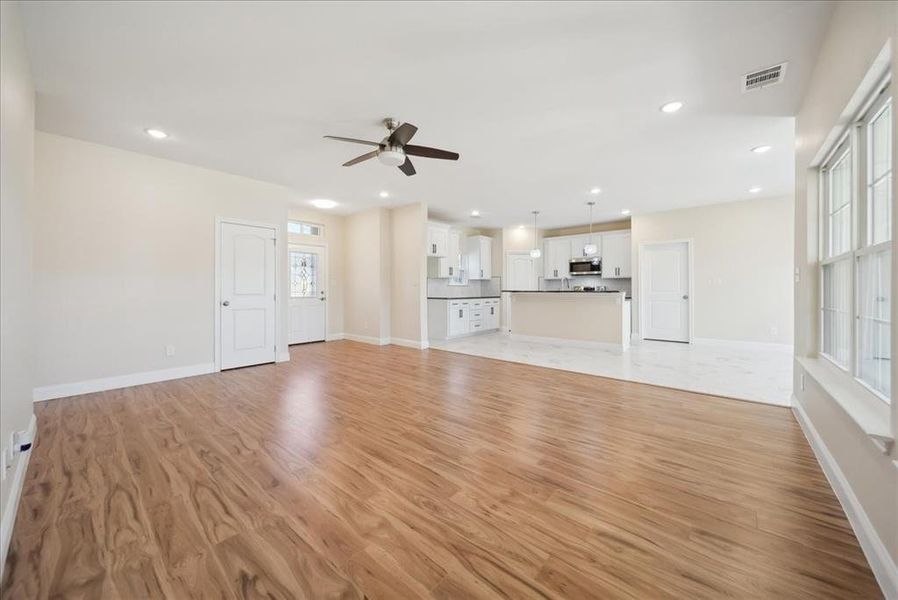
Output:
x=455 y=252
x=616 y=259
x=579 y=242
x=437 y=239
x=557 y=257
x=479 y=252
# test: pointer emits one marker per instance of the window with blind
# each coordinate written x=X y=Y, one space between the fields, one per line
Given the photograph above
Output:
x=856 y=249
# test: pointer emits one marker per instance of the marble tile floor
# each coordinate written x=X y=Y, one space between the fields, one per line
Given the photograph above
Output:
x=755 y=372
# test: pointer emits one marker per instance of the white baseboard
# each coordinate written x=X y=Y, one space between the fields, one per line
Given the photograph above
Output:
x=8 y=520
x=51 y=392
x=333 y=337
x=410 y=343
x=366 y=339
x=881 y=563
x=283 y=357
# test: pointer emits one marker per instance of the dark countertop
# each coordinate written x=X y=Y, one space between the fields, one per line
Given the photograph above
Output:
x=460 y=297
x=566 y=292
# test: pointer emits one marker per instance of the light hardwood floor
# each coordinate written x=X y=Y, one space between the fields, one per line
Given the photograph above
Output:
x=386 y=472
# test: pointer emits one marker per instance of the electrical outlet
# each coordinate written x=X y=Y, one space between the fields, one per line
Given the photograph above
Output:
x=774 y=331
x=169 y=350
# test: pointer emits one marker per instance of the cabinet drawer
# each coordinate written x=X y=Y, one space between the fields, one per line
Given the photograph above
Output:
x=477 y=313
x=476 y=325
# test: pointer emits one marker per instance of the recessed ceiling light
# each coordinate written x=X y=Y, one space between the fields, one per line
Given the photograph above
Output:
x=384 y=194
x=156 y=133
x=626 y=211
x=760 y=149
x=671 y=107
x=475 y=213
x=754 y=190
x=595 y=191
x=323 y=203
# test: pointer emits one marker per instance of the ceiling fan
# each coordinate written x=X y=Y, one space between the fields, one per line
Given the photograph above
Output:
x=395 y=149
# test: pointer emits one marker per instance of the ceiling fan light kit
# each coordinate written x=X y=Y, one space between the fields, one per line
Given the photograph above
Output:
x=395 y=149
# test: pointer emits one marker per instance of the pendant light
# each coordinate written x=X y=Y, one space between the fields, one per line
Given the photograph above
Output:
x=590 y=249
x=536 y=252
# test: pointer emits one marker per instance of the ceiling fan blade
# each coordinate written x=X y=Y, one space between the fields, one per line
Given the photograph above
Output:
x=407 y=167
x=403 y=134
x=361 y=158
x=430 y=152
x=353 y=140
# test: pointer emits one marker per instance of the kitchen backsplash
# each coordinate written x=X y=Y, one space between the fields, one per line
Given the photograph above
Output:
x=441 y=288
x=623 y=285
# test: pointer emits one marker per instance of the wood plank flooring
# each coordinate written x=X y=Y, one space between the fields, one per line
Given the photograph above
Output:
x=386 y=472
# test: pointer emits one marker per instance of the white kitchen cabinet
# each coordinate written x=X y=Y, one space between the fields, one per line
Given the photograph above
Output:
x=449 y=266
x=450 y=318
x=579 y=242
x=479 y=256
x=491 y=314
x=616 y=255
x=454 y=256
x=459 y=317
x=437 y=240
x=557 y=257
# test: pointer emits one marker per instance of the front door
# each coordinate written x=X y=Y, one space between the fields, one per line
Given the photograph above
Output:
x=665 y=284
x=248 y=314
x=308 y=297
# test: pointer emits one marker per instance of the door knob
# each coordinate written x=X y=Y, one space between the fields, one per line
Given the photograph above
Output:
x=323 y=298
x=226 y=303
x=685 y=296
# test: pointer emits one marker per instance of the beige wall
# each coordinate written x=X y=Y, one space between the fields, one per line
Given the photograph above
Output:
x=408 y=317
x=742 y=266
x=334 y=241
x=365 y=292
x=857 y=33
x=16 y=222
x=125 y=260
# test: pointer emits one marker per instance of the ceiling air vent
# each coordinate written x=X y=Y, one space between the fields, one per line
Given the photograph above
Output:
x=764 y=77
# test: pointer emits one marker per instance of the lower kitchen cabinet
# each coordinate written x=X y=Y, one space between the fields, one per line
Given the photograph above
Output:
x=452 y=318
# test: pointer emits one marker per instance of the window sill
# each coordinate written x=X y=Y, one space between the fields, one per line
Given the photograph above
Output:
x=869 y=412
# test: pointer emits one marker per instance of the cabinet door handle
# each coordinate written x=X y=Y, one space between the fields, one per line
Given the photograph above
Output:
x=481 y=272
x=450 y=271
x=459 y=313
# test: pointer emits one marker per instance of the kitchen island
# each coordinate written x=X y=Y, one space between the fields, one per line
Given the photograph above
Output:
x=602 y=318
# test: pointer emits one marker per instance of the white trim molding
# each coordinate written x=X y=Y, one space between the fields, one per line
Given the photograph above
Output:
x=422 y=345
x=366 y=339
x=333 y=337
x=8 y=520
x=63 y=390
x=881 y=563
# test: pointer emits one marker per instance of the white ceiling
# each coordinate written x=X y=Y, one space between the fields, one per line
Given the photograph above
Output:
x=542 y=100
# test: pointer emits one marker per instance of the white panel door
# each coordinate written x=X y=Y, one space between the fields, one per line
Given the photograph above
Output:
x=521 y=272
x=248 y=307
x=665 y=284
x=308 y=294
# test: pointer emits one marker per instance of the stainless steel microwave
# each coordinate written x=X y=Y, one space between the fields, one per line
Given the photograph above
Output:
x=585 y=266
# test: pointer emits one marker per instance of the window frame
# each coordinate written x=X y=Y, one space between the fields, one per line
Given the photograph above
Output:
x=858 y=143
x=302 y=224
